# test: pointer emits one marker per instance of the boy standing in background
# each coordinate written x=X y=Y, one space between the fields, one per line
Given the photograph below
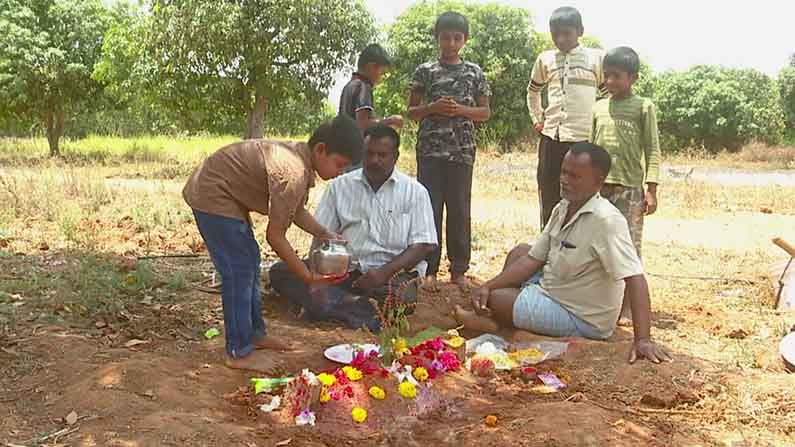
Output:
x=626 y=126
x=356 y=100
x=448 y=96
x=572 y=76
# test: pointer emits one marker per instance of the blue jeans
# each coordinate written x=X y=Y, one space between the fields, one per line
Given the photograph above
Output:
x=236 y=256
x=537 y=312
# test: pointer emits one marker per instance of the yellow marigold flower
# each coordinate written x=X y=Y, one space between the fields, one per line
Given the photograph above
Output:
x=326 y=379
x=407 y=390
x=420 y=374
x=352 y=373
x=400 y=347
x=359 y=414
x=324 y=396
x=377 y=392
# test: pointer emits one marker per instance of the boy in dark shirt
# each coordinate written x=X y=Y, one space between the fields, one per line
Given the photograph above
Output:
x=448 y=96
x=357 y=95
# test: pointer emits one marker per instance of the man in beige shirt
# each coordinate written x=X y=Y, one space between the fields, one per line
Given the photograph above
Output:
x=572 y=281
x=271 y=178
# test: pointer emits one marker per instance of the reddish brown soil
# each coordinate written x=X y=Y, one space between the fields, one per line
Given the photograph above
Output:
x=174 y=390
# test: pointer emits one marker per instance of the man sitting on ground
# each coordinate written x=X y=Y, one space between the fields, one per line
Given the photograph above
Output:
x=387 y=218
x=572 y=281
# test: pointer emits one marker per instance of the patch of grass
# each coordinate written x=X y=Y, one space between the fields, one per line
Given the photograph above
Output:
x=756 y=156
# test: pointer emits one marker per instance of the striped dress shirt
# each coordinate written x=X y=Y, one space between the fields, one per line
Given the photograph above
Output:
x=573 y=81
x=379 y=225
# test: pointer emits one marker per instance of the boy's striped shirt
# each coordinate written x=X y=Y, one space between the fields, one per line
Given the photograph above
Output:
x=573 y=81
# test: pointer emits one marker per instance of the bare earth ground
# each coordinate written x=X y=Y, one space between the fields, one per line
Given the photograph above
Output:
x=87 y=326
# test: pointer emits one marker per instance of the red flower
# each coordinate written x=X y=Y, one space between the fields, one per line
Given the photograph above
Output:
x=430 y=355
x=335 y=395
x=342 y=379
x=348 y=391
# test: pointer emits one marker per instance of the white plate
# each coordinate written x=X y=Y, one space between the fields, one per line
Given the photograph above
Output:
x=344 y=353
x=787 y=350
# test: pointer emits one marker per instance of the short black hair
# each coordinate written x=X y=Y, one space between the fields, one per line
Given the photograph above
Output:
x=566 y=16
x=341 y=136
x=375 y=54
x=600 y=159
x=623 y=58
x=451 y=21
x=383 y=131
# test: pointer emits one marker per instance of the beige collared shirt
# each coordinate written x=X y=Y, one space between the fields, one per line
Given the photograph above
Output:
x=587 y=260
x=264 y=176
x=573 y=81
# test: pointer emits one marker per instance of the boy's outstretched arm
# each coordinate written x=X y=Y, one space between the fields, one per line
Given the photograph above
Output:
x=277 y=239
x=276 y=236
x=305 y=221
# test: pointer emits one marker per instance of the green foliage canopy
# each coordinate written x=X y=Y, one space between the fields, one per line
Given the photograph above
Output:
x=718 y=108
x=47 y=55
x=208 y=61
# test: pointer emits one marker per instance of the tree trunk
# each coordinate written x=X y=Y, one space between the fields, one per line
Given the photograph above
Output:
x=256 y=116
x=54 y=131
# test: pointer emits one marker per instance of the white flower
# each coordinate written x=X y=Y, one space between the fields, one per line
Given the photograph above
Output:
x=275 y=402
x=306 y=417
x=402 y=372
x=310 y=377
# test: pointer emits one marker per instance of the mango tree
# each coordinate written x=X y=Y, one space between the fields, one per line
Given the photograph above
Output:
x=48 y=51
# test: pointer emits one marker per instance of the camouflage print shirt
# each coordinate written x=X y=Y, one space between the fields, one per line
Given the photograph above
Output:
x=443 y=137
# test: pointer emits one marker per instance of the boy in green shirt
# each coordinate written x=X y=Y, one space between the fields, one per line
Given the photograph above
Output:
x=626 y=126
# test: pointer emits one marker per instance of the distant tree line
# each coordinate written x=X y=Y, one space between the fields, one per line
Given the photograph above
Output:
x=254 y=67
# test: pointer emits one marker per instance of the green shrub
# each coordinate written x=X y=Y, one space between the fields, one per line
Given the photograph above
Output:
x=718 y=108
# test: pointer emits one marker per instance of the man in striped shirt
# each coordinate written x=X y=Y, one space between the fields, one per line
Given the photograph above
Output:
x=572 y=76
x=387 y=219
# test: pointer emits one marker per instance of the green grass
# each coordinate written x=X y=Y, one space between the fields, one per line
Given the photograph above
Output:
x=104 y=149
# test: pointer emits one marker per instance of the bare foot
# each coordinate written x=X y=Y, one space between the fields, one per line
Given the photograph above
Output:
x=430 y=284
x=624 y=321
x=256 y=361
x=272 y=343
x=462 y=282
x=473 y=321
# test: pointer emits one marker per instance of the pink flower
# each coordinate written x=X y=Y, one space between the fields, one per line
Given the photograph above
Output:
x=450 y=361
x=436 y=344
